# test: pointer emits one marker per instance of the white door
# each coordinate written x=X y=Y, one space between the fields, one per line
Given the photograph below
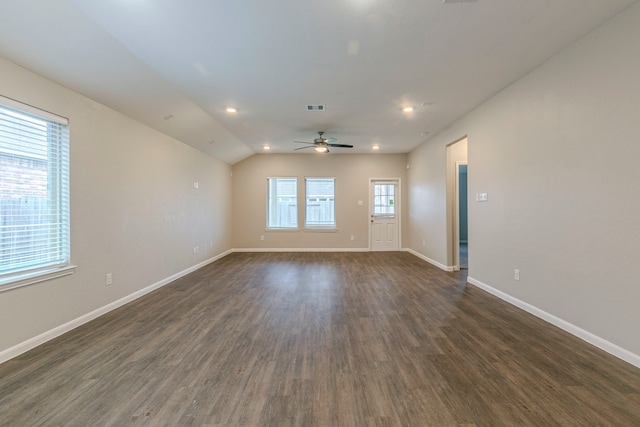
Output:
x=384 y=216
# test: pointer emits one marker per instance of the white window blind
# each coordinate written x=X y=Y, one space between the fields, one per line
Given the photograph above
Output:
x=34 y=191
x=282 y=203
x=320 y=203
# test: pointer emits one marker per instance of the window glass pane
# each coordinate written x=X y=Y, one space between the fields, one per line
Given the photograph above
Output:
x=34 y=193
x=282 y=203
x=320 y=202
x=384 y=199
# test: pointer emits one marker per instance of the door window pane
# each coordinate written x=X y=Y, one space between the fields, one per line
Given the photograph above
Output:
x=384 y=199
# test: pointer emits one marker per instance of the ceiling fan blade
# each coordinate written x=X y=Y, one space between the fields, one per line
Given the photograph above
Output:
x=302 y=148
x=340 y=145
x=303 y=142
x=331 y=139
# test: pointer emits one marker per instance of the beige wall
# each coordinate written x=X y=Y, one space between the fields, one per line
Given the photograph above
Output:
x=352 y=173
x=557 y=154
x=134 y=212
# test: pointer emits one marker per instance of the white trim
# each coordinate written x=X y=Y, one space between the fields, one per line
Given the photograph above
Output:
x=398 y=213
x=31 y=343
x=574 y=330
x=36 y=277
x=300 y=250
x=456 y=214
x=430 y=261
x=319 y=229
x=17 y=105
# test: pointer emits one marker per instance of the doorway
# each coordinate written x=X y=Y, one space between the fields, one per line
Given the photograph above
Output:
x=457 y=230
x=461 y=197
x=384 y=208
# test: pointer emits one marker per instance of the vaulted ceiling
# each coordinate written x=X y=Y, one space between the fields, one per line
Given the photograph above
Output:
x=177 y=65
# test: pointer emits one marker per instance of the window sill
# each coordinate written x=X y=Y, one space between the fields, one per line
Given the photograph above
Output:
x=321 y=229
x=36 y=277
x=296 y=229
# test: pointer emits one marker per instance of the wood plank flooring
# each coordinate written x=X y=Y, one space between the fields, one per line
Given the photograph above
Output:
x=318 y=339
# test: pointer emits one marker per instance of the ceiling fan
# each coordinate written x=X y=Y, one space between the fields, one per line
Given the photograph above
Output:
x=321 y=144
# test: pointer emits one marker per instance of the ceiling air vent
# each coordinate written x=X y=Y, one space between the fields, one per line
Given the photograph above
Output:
x=315 y=107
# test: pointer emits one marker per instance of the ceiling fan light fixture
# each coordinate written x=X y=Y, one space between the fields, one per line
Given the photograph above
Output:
x=321 y=144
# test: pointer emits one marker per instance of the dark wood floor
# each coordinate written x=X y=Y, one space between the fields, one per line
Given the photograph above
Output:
x=310 y=339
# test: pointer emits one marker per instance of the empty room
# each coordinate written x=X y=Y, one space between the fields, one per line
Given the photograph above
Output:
x=346 y=213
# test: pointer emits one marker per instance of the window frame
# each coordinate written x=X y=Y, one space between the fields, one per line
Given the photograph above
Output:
x=319 y=227
x=57 y=182
x=268 y=227
x=386 y=197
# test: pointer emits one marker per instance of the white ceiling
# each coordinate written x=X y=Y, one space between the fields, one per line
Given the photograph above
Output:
x=363 y=59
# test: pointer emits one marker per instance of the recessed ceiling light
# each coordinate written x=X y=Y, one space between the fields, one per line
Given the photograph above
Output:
x=231 y=110
x=266 y=148
x=407 y=109
x=375 y=147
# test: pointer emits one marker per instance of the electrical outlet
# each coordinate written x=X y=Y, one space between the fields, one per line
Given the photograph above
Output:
x=516 y=274
x=108 y=279
x=353 y=237
x=424 y=243
x=261 y=237
x=196 y=249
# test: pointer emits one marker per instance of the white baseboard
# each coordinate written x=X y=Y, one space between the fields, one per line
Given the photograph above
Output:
x=587 y=336
x=29 y=344
x=300 y=250
x=601 y=343
x=430 y=261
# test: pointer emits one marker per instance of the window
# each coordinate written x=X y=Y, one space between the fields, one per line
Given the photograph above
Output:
x=320 y=203
x=384 y=199
x=282 y=203
x=34 y=194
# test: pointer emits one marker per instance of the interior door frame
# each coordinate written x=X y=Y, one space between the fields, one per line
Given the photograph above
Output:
x=398 y=207
x=454 y=152
x=456 y=216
